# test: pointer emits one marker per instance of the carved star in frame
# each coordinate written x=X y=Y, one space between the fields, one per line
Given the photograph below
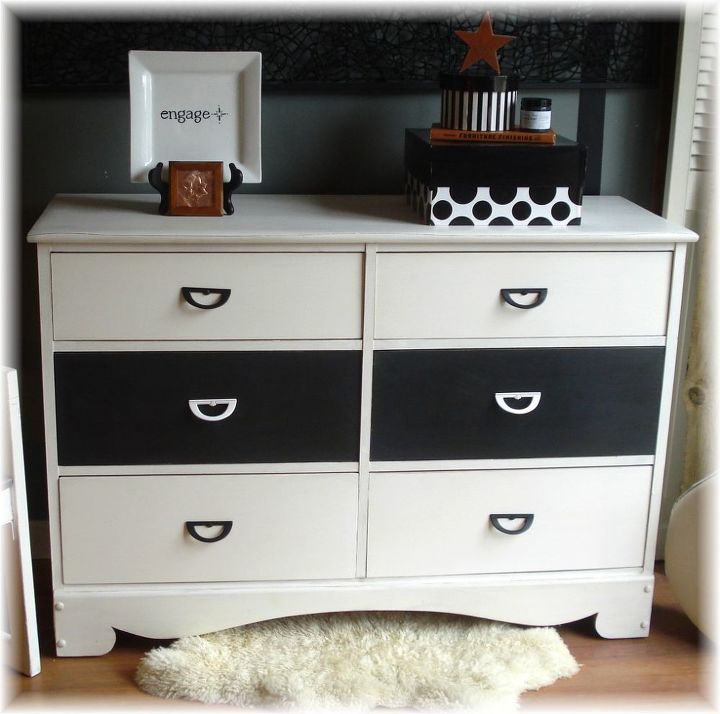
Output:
x=483 y=45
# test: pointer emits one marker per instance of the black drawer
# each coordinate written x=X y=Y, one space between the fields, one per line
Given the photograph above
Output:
x=441 y=404
x=133 y=407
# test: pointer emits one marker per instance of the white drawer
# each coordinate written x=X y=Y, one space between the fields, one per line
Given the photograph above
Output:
x=138 y=296
x=446 y=295
x=132 y=529
x=439 y=523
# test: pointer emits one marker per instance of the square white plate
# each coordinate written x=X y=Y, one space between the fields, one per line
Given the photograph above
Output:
x=195 y=106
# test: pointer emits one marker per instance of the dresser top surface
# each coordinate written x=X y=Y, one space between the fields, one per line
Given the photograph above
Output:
x=338 y=219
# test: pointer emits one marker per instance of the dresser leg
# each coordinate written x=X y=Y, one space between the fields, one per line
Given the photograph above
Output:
x=80 y=631
x=629 y=616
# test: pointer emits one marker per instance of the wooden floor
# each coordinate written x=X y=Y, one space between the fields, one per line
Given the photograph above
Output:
x=669 y=670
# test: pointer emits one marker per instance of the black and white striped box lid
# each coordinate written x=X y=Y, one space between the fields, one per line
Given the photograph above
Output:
x=478 y=103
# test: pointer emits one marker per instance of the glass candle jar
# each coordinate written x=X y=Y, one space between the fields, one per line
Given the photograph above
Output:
x=535 y=113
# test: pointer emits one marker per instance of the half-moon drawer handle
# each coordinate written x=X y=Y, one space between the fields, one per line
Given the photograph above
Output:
x=502 y=401
x=495 y=519
x=195 y=405
x=192 y=526
x=540 y=295
x=222 y=293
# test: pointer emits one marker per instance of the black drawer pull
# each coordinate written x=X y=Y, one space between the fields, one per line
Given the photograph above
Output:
x=495 y=519
x=540 y=295
x=191 y=527
x=224 y=296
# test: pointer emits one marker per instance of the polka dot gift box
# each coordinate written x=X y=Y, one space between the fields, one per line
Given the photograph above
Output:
x=464 y=184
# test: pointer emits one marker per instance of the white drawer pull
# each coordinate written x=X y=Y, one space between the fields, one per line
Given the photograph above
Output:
x=502 y=397
x=195 y=405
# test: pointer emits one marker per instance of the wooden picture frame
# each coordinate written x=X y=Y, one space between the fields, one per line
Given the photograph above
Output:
x=196 y=188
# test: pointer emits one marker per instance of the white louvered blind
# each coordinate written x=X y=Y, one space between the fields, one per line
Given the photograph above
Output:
x=688 y=201
x=704 y=124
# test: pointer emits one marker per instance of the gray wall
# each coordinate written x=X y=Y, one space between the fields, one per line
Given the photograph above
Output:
x=312 y=143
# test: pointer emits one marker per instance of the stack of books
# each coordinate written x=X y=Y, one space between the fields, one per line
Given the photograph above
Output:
x=513 y=136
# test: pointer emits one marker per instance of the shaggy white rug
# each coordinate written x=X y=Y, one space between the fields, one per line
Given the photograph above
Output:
x=360 y=661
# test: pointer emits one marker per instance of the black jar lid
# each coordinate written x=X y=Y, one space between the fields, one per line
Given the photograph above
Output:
x=535 y=104
x=479 y=83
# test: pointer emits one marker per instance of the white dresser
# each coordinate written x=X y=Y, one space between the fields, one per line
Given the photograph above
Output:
x=318 y=404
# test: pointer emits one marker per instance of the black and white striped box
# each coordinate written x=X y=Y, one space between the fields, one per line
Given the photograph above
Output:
x=474 y=103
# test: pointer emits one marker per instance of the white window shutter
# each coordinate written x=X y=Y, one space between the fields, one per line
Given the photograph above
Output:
x=702 y=149
x=688 y=201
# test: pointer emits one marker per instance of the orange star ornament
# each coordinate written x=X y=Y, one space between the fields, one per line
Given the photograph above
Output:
x=483 y=44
